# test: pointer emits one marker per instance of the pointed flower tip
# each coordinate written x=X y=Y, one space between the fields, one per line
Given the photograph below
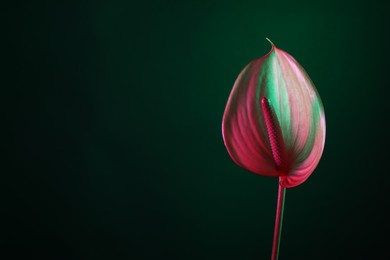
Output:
x=273 y=45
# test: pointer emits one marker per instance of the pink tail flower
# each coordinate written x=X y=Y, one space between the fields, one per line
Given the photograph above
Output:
x=277 y=90
x=274 y=123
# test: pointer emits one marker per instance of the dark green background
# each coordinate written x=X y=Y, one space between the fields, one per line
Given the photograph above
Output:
x=113 y=130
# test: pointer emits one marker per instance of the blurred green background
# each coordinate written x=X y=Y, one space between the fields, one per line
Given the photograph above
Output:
x=113 y=130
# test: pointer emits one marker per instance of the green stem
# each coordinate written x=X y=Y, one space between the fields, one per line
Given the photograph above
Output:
x=278 y=222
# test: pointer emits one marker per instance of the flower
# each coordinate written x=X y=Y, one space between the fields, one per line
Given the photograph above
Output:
x=274 y=121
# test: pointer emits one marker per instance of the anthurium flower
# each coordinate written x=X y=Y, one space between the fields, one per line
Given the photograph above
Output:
x=274 y=122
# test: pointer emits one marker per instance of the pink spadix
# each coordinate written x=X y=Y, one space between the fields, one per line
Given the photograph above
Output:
x=275 y=137
x=274 y=124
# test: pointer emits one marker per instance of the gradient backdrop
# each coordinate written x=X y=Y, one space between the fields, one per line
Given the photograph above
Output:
x=113 y=146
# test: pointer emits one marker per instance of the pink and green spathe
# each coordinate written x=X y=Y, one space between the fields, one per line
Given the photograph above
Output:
x=274 y=121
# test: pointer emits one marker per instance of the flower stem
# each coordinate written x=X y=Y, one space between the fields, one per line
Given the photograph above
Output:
x=278 y=222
